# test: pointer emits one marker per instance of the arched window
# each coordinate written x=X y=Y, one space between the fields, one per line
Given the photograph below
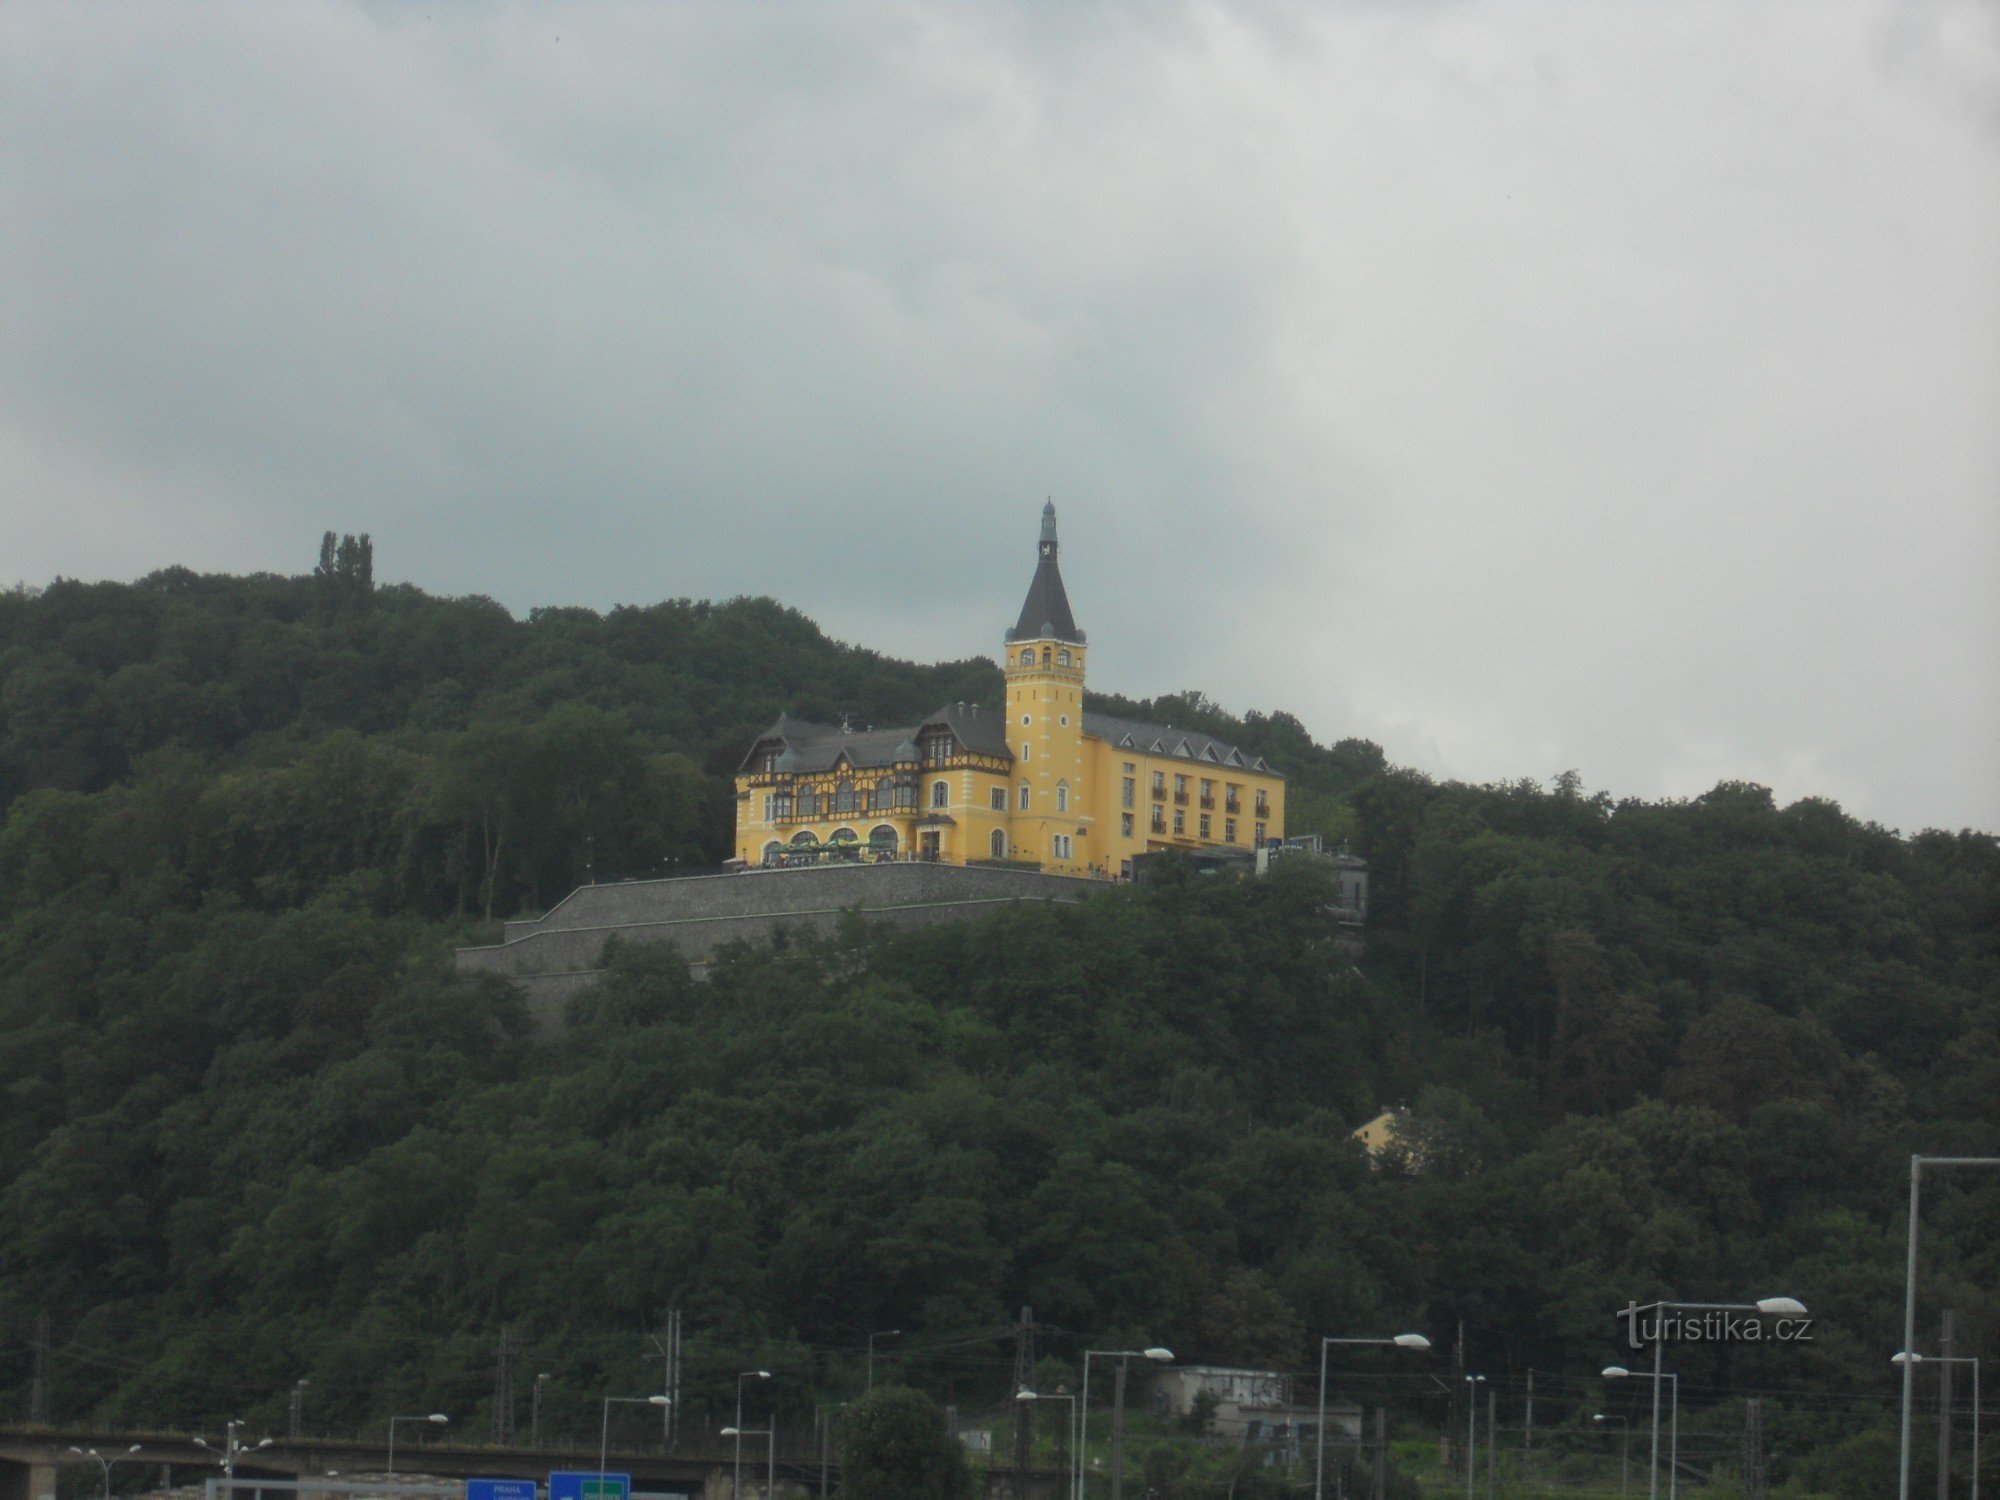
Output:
x=1062 y=796
x=805 y=838
x=999 y=844
x=1024 y=796
x=843 y=799
x=843 y=836
x=882 y=839
x=771 y=852
x=1062 y=657
x=1027 y=656
x=1045 y=656
x=940 y=794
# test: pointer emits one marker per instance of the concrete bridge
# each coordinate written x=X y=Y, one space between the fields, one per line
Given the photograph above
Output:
x=700 y=1468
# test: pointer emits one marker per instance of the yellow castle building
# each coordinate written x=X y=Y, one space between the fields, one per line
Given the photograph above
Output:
x=1039 y=780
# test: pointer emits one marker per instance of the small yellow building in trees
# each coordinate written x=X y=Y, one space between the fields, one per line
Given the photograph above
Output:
x=1037 y=779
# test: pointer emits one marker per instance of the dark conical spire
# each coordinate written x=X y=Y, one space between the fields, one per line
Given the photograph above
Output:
x=1045 y=614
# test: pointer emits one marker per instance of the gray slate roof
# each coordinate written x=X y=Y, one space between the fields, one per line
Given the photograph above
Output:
x=1186 y=744
x=1045 y=612
x=809 y=748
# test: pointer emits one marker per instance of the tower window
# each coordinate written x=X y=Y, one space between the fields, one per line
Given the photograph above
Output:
x=1045 y=656
x=1062 y=657
x=1024 y=796
x=999 y=799
x=1025 y=751
x=940 y=794
x=999 y=844
x=1026 y=721
x=1065 y=721
x=1062 y=796
x=1027 y=656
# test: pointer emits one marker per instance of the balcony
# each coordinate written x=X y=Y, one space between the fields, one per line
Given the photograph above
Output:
x=1233 y=807
x=1180 y=799
x=1159 y=793
x=1208 y=804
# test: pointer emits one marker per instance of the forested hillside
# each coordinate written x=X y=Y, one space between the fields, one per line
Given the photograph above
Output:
x=254 y=1130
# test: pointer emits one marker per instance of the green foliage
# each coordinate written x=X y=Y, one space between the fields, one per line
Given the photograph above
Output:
x=894 y=1445
x=255 y=1129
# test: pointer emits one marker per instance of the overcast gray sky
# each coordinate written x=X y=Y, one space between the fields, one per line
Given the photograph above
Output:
x=1609 y=385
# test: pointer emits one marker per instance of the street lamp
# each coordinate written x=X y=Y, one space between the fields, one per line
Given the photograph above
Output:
x=823 y=1431
x=1917 y=1165
x=106 y=1463
x=886 y=1333
x=770 y=1436
x=1771 y=1307
x=437 y=1417
x=1625 y=1454
x=535 y=1412
x=1619 y=1372
x=298 y=1409
x=1472 y=1385
x=604 y=1431
x=736 y=1482
x=231 y=1449
x=1907 y=1360
x=1154 y=1353
x=1401 y=1341
x=1024 y=1394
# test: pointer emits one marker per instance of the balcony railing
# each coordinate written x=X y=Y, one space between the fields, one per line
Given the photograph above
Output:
x=1232 y=807
x=1208 y=804
x=1159 y=793
x=1180 y=799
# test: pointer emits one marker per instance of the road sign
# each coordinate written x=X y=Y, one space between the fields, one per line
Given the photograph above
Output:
x=589 y=1486
x=499 y=1489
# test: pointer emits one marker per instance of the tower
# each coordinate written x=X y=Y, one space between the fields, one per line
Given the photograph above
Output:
x=1044 y=658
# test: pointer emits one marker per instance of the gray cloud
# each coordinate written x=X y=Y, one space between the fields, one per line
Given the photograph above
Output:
x=1607 y=387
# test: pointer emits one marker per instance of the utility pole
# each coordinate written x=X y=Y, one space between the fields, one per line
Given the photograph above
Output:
x=503 y=1388
x=296 y=1428
x=1944 y=1405
x=1118 y=1434
x=1528 y=1438
x=1492 y=1427
x=1753 y=1448
x=38 y=1393
x=1381 y=1490
x=1024 y=1380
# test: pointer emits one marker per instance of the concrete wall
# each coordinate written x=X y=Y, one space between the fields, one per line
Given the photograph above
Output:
x=700 y=913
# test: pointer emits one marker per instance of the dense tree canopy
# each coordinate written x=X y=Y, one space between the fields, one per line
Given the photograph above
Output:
x=255 y=1130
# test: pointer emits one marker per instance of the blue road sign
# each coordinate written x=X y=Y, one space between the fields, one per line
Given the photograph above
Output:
x=499 y=1489
x=589 y=1485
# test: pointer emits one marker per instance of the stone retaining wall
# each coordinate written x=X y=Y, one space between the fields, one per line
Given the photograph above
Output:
x=698 y=914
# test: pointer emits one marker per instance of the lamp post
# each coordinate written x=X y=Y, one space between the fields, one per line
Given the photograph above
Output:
x=1472 y=1385
x=437 y=1416
x=1401 y=1341
x=736 y=1481
x=1774 y=1307
x=1917 y=1165
x=106 y=1463
x=604 y=1429
x=535 y=1412
x=1625 y=1453
x=1024 y=1394
x=1907 y=1360
x=232 y=1449
x=823 y=1428
x=886 y=1333
x=1154 y=1353
x=1619 y=1372
x=770 y=1436
x=296 y=1426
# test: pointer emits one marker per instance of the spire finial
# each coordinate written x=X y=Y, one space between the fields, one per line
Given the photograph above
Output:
x=1049 y=524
